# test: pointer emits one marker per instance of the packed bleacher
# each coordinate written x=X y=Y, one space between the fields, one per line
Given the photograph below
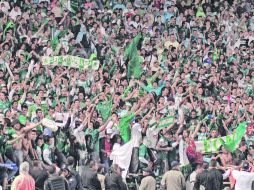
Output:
x=115 y=95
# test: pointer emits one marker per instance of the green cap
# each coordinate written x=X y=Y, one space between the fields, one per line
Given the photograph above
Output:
x=22 y=119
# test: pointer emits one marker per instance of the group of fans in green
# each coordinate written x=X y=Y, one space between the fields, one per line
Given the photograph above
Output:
x=171 y=74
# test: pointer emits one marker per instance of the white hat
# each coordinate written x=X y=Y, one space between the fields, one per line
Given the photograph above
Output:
x=109 y=131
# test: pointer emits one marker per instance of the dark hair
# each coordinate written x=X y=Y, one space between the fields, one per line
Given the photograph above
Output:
x=38 y=138
x=47 y=138
x=36 y=163
x=24 y=106
x=72 y=138
x=52 y=170
x=237 y=162
x=138 y=118
x=38 y=110
x=198 y=166
x=92 y=164
x=213 y=163
x=114 y=139
x=96 y=125
x=205 y=165
x=242 y=143
x=70 y=161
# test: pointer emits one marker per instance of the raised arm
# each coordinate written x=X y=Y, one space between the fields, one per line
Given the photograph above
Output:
x=15 y=139
x=196 y=131
x=30 y=127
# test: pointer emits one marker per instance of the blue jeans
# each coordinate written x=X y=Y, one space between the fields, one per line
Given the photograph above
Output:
x=18 y=155
x=105 y=162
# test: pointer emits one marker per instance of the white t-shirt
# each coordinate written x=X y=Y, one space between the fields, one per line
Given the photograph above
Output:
x=151 y=138
x=190 y=183
x=243 y=180
x=13 y=14
x=136 y=135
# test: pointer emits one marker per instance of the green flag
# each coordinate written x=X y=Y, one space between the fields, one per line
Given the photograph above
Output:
x=54 y=42
x=7 y=27
x=165 y=122
x=231 y=144
x=70 y=5
x=215 y=54
x=131 y=53
x=124 y=127
x=32 y=108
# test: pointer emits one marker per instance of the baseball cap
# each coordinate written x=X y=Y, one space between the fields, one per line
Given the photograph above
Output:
x=245 y=166
x=174 y=164
x=148 y=170
x=109 y=131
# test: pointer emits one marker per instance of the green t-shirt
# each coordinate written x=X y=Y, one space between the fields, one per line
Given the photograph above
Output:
x=10 y=131
x=142 y=150
x=32 y=108
x=104 y=109
x=124 y=126
x=4 y=105
x=60 y=141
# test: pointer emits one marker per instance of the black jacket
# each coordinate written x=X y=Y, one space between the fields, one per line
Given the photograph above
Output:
x=75 y=174
x=39 y=176
x=239 y=154
x=211 y=179
x=89 y=180
x=55 y=182
x=114 y=182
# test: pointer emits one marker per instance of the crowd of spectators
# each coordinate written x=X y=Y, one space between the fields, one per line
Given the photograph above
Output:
x=193 y=62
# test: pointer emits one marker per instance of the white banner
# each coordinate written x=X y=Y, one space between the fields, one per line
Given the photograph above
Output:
x=71 y=61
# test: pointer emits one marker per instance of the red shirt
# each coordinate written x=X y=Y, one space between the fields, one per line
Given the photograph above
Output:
x=23 y=182
x=107 y=146
x=248 y=129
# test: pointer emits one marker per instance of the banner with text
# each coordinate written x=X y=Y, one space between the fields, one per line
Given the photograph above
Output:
x=71 y=61
x=229 y=142
x=211 y=145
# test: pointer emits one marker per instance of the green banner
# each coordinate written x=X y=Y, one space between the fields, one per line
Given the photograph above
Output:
x=232 y=143
x=229 y=142
x=166 y=122
x=71 y=61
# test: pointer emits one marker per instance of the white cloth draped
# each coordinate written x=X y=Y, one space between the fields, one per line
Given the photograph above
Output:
x=122 y=155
